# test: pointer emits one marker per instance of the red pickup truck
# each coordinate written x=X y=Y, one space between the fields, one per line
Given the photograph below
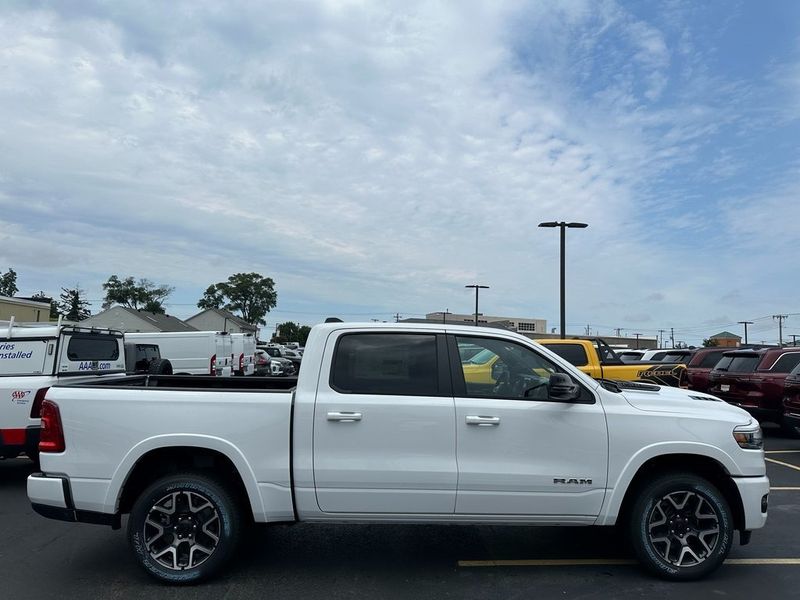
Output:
x=754 y=380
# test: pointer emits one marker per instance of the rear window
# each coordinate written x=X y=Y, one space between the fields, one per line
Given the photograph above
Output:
x=377 y=363
x=92 y=347
x=710 y=359
x=574 y=354
x=786 y=363
x=744 y=364
x=724 y=363
x=674 y=357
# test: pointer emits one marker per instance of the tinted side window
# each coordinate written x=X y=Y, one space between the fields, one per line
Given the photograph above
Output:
x=573 y=353
x=786 y=363
x=386 y=363
x=658 y=356
x=92 y=347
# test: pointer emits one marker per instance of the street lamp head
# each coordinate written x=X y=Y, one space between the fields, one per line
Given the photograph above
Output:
x=548 y=224
x=578 y=225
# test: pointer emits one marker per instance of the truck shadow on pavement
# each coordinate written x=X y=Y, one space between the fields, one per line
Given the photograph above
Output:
x=14 y=472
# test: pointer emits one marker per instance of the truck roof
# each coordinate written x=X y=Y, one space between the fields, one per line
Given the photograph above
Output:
x=450 y=327
x=23 y=331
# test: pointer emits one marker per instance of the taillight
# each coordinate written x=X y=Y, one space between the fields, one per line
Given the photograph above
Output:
x=241 y=362
x=51 y=437
x=36 y=408
x=214 y=365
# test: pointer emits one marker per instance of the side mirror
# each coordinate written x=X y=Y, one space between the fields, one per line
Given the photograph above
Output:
x=561 y=387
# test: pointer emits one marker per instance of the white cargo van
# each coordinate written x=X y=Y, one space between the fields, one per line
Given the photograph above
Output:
x=191 y=352
x=35 y=356
x=244 y=350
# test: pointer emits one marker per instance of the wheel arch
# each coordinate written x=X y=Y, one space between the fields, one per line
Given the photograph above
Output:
x=696 y=464
x=156 y=457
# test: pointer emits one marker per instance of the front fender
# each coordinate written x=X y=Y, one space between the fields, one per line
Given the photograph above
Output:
x=616 y=494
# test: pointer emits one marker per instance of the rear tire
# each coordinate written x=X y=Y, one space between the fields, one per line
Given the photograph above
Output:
x=160 y=367
x=184 y=528
x=681 y=527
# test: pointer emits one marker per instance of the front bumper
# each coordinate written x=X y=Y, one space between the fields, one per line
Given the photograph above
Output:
x=51 y=497
x=754 y=492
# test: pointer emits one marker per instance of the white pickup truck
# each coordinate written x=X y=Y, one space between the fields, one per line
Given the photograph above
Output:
x=35 y=356
x=386 y=425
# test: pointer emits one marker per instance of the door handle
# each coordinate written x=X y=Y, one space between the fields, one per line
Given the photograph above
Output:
x=482 y=421
x=344 y=417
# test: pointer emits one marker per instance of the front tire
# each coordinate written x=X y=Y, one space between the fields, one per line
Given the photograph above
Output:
x=681 y=527
x=184 y=528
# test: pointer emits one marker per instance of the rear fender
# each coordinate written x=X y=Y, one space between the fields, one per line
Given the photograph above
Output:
x=224 y=447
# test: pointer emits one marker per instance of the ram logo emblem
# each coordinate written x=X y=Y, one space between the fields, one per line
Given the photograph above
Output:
x=572 y=481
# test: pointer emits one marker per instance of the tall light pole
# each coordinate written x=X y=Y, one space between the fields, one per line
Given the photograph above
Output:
x=563 y=226
x=477 y=287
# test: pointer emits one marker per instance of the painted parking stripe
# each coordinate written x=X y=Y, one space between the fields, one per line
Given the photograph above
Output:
x=784 y=489
x=781 y=451
x=783 y=464
x=604 y=562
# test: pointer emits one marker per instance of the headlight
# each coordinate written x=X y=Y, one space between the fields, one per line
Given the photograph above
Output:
x=749 y=437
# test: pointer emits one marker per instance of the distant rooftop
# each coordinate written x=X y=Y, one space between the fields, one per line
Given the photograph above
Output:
x=726 y=335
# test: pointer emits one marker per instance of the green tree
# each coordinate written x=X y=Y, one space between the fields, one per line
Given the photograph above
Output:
x=709 y=343
x=8 y=283
x=139 y=295
x=291 y=332
x=74 y=305
x=42 y=297
x=249 y=294
x=287 y=332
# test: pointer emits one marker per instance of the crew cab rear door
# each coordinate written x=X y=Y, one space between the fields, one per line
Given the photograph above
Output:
x=520 y=453
x=384 y=425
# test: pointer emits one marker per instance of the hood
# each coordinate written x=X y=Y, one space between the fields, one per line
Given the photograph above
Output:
x=677 y=400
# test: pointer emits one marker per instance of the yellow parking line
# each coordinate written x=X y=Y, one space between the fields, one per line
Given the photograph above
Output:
x=603 y=562
x=783 y=464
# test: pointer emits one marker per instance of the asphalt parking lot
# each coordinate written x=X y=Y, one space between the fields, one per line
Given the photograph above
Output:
x=40 y=558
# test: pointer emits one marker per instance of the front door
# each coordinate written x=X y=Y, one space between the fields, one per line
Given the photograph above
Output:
x=384 y=425
x=520 y=453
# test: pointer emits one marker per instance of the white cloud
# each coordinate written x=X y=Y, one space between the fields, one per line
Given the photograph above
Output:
x=361 y=154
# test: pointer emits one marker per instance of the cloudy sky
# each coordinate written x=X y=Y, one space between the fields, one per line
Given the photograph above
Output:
x=374 y=158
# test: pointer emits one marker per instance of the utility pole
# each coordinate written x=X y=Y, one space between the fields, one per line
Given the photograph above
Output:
x=588 y=331
x=397 y=317
x=781 y=319
x=637 y=339
x=477 y=288
x=444 y=315
x=661 y=338
x=672 y=336
x=618 y=330
x=745 y=323
x=794 y=337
